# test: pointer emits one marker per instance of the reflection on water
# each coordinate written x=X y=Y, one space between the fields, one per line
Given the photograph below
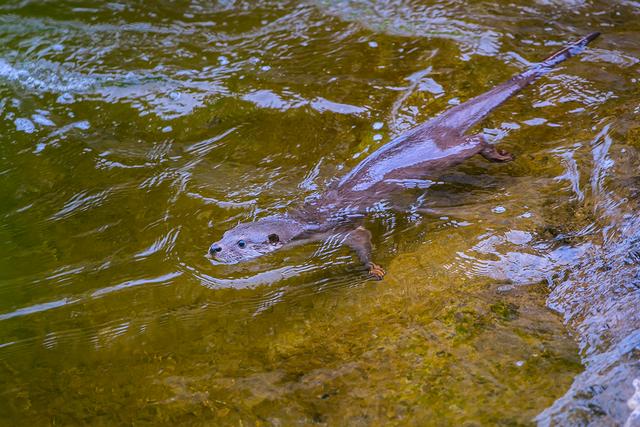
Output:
x=133 y=134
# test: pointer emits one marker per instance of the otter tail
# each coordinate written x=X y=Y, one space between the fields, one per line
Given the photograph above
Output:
x=567 y=52
x=466 y=115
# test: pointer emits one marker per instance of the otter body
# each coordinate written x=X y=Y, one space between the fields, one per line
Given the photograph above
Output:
x=423 y=151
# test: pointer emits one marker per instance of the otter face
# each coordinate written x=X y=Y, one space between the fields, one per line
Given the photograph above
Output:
x=253 y=239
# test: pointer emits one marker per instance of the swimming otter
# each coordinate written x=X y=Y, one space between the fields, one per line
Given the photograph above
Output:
x=427 y=148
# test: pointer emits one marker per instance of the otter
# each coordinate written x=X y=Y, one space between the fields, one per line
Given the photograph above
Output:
x=427 y=149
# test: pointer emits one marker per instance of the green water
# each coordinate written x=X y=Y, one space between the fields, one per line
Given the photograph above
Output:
x=134 y=133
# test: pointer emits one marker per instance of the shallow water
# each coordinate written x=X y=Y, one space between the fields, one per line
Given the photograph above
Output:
x=134 y=134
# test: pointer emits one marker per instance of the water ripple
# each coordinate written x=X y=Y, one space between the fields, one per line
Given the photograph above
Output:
x=81 y=202
x=410 y=20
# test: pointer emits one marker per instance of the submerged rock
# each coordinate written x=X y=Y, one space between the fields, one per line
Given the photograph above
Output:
x=600 y=302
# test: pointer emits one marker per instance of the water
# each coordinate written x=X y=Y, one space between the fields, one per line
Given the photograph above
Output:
x=134 y=134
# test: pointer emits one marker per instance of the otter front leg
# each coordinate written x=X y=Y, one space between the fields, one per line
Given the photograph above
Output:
x=360 y=241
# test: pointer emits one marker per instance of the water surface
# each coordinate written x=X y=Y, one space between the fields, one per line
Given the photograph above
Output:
x=133 y=134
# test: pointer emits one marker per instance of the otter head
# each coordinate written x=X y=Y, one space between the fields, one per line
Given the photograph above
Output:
x=253 y=239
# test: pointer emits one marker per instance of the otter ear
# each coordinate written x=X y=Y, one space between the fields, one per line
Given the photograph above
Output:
x=273 y=238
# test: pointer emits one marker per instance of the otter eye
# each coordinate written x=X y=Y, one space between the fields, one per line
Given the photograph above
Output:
x=242 y=243
x=273 y=238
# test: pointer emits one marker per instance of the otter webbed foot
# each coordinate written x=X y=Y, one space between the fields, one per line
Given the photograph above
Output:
x=493 y=154
x=376 y=271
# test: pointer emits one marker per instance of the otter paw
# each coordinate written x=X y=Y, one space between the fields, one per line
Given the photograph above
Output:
x=376 y=271
x=503 y=156
x=494 y=154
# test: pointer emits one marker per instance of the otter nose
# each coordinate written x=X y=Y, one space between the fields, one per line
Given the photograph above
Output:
x=215 y=248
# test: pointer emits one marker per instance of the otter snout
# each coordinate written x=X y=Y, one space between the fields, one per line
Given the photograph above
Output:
x=215 y=248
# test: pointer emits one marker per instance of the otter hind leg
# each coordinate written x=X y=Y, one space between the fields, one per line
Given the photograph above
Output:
x=493 y=154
